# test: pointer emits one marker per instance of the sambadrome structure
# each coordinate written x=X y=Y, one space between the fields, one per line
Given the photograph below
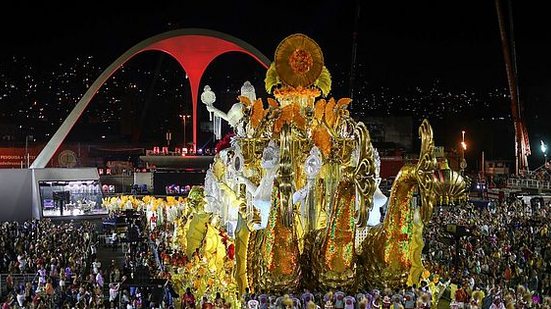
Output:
x=295 y=188
x=193 y=49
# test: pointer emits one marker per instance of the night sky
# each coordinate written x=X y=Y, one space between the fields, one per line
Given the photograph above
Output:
x=400 y=44
x=398 y=41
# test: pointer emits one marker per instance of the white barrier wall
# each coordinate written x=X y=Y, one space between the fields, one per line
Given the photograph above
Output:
x=16 y=198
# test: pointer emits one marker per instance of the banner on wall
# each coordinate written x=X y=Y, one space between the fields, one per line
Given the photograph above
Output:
x=16 y=157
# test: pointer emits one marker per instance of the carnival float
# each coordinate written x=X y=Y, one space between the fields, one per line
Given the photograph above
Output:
x=293 y=201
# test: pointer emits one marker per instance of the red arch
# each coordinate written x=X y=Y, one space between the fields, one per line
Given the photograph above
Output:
x=194 y=53
x=194 y=49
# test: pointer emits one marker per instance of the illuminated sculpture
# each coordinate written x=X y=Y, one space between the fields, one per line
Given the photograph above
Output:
x=388 y=255
x=300 y=181
x=262 y=194
x=379 y=199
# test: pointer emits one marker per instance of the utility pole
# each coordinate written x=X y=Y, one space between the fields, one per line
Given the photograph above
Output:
x=463 y=163
x=168 y=138
x=27 y=150
x=184 y=117
x=27 y=156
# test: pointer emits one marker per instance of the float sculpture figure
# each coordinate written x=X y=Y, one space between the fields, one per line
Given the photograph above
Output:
x=300 y=176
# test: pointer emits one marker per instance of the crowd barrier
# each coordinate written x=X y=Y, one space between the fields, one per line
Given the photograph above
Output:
x=528 y=184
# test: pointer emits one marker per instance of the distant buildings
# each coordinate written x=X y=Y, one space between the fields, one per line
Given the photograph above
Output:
x=391 y=133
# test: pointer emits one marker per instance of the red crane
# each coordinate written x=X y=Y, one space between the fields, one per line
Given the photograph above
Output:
x=522 y=143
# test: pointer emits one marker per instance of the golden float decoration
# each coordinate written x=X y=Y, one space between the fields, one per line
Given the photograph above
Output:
x=298 y=60
x=297 y=185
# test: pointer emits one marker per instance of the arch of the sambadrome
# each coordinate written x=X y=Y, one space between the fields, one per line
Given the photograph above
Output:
x=194 y=49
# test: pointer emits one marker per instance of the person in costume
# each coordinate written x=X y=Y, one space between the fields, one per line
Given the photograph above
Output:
x=189 y=299
x=263 y=300
x=376 y=301
x=328 y=300
x=253 y=304
x=386 y=302
x=339 y=299
x=286 y=302
x=349 y=302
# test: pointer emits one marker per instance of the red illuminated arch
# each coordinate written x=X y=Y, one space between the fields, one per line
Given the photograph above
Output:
x=194 y=49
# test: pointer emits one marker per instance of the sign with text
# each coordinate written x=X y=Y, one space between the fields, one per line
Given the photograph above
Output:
x=16 y=157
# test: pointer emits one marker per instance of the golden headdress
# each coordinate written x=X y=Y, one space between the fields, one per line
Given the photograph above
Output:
x=298 y=66
x=287 y=301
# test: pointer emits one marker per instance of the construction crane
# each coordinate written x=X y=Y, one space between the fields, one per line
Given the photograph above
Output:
x=522 y=143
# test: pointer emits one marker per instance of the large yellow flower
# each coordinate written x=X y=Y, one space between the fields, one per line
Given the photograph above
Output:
x=298 y=60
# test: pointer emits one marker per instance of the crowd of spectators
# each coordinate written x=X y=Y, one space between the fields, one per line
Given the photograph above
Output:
x=140 y=265
x=502 y=250
x=412 y=297
x=46 y=264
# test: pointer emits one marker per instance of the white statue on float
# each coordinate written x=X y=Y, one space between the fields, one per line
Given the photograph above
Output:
x=212 y=194
x=235 y=114
x=379 y=199
x=221 y=196
x=262 y=194
x=306 y=195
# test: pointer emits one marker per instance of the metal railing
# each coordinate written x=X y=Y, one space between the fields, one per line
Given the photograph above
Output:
x=528 y=184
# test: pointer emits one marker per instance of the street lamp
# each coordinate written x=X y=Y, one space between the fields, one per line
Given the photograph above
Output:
x=463 y=163
x=168 y=138
x=543 y=148
x=184 y=117
x=27 y=138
